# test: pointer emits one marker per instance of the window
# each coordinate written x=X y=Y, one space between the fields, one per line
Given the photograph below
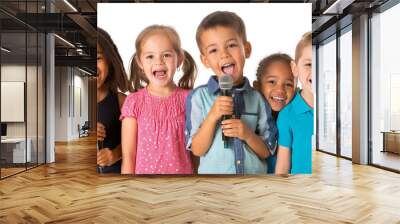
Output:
x=327 y=95
x=346 y=92
x=22 y=76
x=385 y=89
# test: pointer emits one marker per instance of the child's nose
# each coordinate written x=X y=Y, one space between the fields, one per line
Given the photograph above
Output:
x=224 y=53
x=281 y=88
x=159 y=61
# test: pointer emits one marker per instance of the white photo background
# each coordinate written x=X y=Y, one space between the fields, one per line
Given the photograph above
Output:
x=270 y=28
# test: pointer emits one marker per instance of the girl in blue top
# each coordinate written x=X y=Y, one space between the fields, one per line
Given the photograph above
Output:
x=275 y=81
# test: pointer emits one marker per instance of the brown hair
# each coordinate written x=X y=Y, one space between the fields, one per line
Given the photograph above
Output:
x=224 y=19
x=116 y=80
x=189 y=69
x=267 y=61
x=305 y=40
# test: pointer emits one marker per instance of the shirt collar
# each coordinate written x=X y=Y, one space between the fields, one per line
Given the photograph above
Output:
x=213 y=86
x=300 y=106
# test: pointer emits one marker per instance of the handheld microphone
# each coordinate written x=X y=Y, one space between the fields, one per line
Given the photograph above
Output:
x=225 y=84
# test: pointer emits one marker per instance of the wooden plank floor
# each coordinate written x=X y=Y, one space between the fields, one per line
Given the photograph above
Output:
x=70 y=191
x=10 y=171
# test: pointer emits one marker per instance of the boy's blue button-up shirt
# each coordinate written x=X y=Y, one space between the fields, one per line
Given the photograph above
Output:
x=295 y=127
x=255 y=113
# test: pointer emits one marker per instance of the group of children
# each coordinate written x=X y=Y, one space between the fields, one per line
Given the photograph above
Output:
x=166 y=127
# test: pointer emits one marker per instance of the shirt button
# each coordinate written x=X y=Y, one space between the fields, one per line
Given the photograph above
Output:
x=238 y=162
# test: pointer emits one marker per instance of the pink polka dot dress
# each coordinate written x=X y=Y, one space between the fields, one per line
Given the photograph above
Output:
x=160 y=138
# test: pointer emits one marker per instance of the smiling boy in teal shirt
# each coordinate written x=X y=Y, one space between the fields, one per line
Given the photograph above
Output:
x=295 y=121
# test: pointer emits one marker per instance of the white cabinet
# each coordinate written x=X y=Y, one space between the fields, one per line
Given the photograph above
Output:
x=17 y=147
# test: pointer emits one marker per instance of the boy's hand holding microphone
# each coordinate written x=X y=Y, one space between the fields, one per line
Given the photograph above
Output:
x=223 y=109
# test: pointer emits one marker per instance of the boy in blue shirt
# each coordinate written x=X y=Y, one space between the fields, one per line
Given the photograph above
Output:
x=295 y=121
x=221 y=38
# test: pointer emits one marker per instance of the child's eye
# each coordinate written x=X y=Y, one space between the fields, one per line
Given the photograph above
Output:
x=308 y=64
x=167 y=55
x=232 y=45
x=149 y=57
x=212 y=51
x=271 y=82
x=290 y=85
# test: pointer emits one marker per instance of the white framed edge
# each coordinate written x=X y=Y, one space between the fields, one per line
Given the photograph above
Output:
x=12 y=101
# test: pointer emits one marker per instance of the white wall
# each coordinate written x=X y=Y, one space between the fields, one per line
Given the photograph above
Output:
x=268 y=28
x=82 y=83
x=68 y=81
x=34 y=124
x=13 y=73
x=61 y=103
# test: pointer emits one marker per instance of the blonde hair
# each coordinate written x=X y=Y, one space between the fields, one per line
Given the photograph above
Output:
x=189 y=68
x=306 y=40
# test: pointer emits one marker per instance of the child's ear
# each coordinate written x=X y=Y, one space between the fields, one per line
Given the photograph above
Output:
x=181 y=58
x=138 y=62
x=256 y=85
x=294 y=69
x=204 y=60
x=247 y=49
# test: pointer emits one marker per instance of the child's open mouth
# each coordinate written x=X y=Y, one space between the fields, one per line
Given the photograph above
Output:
x=160 y=74
x=278 y=99
x=228 y=69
